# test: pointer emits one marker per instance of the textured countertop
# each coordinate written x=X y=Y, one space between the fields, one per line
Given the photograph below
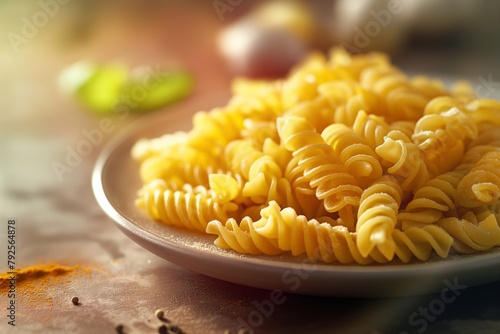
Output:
x=120 y=283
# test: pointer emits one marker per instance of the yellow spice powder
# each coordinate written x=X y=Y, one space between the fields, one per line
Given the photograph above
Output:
x=33 y=283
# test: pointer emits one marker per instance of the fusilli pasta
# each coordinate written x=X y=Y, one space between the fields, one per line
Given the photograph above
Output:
x=482 y=184
x=354 y=152
x=377 y=217
x=345 y=160
x=334 y=185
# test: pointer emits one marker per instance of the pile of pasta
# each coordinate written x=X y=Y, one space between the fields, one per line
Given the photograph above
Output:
x=346 y=160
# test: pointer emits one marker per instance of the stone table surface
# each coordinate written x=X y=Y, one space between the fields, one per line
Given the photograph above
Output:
x=59 y=220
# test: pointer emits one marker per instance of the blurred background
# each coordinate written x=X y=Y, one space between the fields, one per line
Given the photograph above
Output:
x=216 y=40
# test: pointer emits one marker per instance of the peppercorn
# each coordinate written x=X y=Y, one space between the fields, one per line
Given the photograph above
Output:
x=159 y=314
x=119 y=329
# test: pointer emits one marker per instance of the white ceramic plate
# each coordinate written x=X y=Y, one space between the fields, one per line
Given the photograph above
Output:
x=116 y=181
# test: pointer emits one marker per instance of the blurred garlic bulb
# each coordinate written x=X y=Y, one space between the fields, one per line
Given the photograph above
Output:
x=268 y=41
x=256 y=50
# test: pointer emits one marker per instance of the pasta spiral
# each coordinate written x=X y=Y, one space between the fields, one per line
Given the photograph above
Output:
x=241 y=237
x=474 y=154
x=258 y=131
x=257 y=100
x=488 y=134
x=146 y=148
x=403 y=159
x=302 y=84
x=371 y=128
x=484 y=110
x=419 y=242
x=399 y=100
x=473 y=232
x=347 y=98
x=240 y=155
x=263 y=175
x=377 y=217
x=436 y=196
x=308 y=204
x=319 y=112
x=442 y=104
x=213 y=130
x=431 y=88
x=436 y=133
x=179 y=168
x=321 y=166
x=266 y=183
x=191 y=208
x=482 y=184
x=353 y=151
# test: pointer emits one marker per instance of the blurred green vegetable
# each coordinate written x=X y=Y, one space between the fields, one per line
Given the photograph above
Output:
x=168 y=88
x=102 y=88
